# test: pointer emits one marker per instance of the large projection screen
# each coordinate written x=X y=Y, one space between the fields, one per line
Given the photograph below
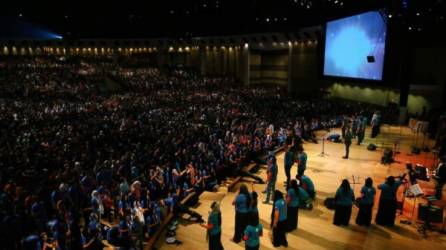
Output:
x=355 y=46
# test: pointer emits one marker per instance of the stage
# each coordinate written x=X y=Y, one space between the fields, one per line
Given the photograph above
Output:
x=315 y=228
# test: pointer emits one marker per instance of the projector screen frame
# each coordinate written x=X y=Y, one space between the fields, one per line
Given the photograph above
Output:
x=384 y=78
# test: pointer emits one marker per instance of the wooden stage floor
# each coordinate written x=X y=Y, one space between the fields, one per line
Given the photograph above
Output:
x=315 y=229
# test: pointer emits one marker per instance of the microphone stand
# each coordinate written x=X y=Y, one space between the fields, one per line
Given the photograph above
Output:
x=323 y=154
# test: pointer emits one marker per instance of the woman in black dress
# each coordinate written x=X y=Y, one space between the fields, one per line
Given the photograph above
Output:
x=344 y=200
x=366 y=203
x=387 y=201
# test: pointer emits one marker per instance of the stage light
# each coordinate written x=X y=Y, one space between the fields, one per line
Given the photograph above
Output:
x=390 y=16
x=246 y=45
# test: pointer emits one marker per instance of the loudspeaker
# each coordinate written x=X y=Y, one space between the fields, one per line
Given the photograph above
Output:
x=416 y=150
x=421 y=172
x=370 y=59
x=330 y=203
x=371 y=147
x=387 y=156
x=433 y=213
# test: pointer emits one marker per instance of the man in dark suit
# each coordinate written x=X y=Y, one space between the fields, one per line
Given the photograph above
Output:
x=347 y=141
x=440 y=176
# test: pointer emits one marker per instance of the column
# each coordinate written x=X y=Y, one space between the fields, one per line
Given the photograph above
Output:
x=290 y=67
x=245 y=65
x=203 y=61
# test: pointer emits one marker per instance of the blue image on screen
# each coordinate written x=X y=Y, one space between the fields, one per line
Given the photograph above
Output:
x=348 y=43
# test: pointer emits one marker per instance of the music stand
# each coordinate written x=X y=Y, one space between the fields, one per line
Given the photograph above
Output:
x=417 y=192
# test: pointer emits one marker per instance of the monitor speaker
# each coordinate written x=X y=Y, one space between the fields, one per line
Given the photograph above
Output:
x=433 y=213
x=370 y=59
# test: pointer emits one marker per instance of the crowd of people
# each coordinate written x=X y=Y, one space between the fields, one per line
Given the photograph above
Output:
x=73 y=155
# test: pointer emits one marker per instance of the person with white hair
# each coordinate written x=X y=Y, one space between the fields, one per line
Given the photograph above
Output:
x=96 y=203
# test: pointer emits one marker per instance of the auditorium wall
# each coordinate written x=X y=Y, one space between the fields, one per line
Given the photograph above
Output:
x=380 y=96
x=269 y=67
x=305 y=75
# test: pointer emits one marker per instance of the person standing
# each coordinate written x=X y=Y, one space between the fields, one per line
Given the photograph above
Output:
x=440 y=177
x=271 y=178
x=214 y=227
x=375 y=123
x=241 y=203
x=292 y=200
x=279 y=220
x=301 y=160
x=289 y=161
x=253 y=208
x=347 y=142
x=354 y=126
x=344 y=125
x=344 y=201
x=387 y=201
x=361 y=129
x=253 y=232
x=366 y=203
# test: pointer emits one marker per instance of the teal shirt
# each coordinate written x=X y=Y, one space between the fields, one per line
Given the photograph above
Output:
x=280 y=206
x=213 y=219
x=303 y=195
x=368 y=195
x=344 y=198
x=302 y=161
x=253 y=233
x=294 y=200
x=389 y=192
x=308 y=182
x=240 y=204
x=289 y=158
